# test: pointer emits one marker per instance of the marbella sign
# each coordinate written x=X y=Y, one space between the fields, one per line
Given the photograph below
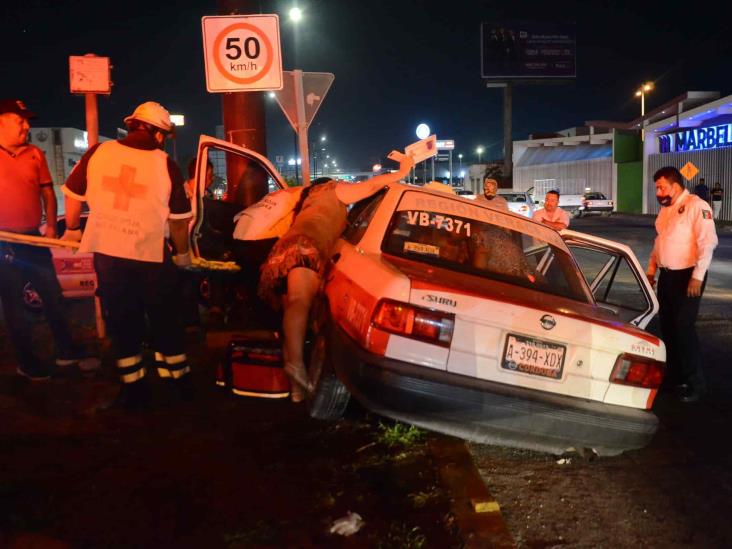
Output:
x=696 y=139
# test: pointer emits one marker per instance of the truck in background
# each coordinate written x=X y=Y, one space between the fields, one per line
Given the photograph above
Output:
x=589 y=203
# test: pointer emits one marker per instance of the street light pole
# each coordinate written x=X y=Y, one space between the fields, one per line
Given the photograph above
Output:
x=641 y=92
x=178 y=121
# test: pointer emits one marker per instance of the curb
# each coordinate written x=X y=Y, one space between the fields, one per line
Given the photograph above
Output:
x=722 y=225
x=477 y=514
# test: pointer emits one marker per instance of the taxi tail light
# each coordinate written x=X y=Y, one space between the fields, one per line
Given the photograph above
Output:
x=638 y=371
x=414 y=322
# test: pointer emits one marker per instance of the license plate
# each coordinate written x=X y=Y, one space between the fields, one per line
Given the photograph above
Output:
x=533 y=356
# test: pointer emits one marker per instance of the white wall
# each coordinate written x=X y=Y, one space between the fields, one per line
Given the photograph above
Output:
x=567 y=177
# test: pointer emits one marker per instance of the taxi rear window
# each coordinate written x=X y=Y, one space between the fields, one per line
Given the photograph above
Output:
x=482 y=242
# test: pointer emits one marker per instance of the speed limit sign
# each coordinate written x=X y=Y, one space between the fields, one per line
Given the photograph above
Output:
x=242 y=53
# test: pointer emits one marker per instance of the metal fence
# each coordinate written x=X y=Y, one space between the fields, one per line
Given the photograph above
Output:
x=567 y=177
x=714 y=166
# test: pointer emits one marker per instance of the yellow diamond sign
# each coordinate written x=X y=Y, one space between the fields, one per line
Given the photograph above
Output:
x=689 y=171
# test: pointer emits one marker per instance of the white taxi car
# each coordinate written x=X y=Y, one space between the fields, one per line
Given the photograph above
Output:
x=480 y=324
x=483 y=324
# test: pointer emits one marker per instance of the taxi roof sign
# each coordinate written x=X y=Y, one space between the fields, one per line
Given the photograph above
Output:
x=422 y=149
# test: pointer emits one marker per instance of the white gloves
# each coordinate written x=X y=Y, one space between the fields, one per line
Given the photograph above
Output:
x=182 y=260
x=74 y=235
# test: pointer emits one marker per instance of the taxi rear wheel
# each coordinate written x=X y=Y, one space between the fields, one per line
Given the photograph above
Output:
x=330 y=397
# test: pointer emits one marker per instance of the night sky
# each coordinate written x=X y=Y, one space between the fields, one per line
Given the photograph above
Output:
x=396 y=63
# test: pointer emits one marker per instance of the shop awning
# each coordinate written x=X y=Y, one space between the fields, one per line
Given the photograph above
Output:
x=536 y=156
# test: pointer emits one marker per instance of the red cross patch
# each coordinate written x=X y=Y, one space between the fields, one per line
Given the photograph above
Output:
x=706 y=214
x=124 y=187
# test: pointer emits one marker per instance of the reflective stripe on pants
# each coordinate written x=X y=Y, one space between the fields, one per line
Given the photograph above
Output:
x=175 y=366
x=130 y=369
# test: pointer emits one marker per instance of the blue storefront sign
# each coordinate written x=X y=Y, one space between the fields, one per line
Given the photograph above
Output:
x=697 y=139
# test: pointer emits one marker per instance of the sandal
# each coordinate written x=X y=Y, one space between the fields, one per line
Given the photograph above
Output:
x=296 y=394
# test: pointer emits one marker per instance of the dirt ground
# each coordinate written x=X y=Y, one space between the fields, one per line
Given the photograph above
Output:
x=675 y=493
x=233 y=472
x=221 y=471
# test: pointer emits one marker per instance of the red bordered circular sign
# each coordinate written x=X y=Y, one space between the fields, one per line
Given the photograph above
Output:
x=243 y=53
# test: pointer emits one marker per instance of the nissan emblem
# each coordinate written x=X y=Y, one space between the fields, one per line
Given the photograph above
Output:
x=548 y=322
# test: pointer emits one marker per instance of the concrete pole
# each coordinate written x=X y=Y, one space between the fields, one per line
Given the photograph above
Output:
x=508 y=132
x=92 y=119
x=92 y=133
x=451 y=183
x=244 y=124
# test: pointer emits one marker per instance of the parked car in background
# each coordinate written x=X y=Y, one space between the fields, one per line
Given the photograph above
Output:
x=595 y=203
x=519 y=202
x=592 y=202
x=465 y=192
x=570 y=203
x=75 y=271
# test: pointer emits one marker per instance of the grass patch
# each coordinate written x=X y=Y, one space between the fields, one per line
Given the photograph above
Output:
x=421 y=499
x=400 y=434
x=401 y=536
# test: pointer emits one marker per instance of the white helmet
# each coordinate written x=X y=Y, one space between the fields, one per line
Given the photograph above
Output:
x=154 y=114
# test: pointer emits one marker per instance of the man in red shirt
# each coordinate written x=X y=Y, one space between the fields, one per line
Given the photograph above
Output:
x=25 y=182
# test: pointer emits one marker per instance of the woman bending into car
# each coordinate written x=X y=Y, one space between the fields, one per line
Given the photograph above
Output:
x=292 y=274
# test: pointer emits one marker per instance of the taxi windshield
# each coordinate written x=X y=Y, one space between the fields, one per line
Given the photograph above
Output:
x=480 y=241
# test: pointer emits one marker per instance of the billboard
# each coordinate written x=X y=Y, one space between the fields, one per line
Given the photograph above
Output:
x=527 y=50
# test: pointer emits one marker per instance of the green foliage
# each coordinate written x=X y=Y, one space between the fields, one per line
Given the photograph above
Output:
x=421 y=499
x=493 y=171
x=400 y=434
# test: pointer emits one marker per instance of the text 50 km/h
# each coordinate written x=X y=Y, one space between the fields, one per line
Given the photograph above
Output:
x=242 y=53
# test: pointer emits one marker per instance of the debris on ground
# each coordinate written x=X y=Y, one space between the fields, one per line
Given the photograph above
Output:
x=348 y=525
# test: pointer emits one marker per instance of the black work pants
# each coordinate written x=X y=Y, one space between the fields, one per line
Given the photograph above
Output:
x=20 y=264
x=132 y=291
x=677 y=315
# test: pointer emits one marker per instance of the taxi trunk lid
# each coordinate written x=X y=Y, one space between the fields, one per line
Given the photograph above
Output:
x=528 y=338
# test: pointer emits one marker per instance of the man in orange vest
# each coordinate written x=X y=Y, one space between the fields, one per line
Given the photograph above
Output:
x=133 y=189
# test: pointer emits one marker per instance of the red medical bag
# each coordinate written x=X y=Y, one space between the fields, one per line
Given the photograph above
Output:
x=253 y=367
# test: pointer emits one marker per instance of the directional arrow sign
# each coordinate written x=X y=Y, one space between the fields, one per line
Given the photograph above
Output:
x=315 y=86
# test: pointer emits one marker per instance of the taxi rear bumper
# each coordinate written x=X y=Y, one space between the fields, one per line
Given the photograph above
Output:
x=485 y=411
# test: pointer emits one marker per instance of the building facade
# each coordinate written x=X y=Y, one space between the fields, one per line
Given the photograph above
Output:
x=701 y=136
x=573 y=161
x=63 y=148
